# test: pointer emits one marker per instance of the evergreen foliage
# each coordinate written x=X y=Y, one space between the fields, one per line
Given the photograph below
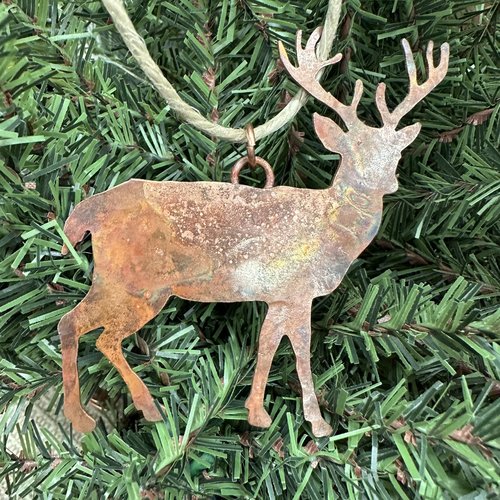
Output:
x=405 y=354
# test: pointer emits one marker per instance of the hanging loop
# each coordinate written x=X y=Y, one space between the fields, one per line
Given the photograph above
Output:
x=250 y=134
x=235 y=172
x=252 y=161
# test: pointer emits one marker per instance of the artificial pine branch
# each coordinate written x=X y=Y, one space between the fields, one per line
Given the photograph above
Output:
x=405 y=352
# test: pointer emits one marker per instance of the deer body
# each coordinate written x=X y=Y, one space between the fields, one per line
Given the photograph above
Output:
x=209 y=242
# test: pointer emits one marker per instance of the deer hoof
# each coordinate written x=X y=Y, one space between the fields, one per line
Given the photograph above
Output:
x=151 y=414
x=320 y=428
x=148 y=409
x=81 y=420
x=259 y=418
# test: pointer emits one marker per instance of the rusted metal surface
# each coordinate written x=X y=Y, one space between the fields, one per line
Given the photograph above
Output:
x=209 y=241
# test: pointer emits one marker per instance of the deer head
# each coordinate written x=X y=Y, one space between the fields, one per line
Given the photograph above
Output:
x=373 y=152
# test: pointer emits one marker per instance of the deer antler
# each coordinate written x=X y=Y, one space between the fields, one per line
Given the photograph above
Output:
x=417 y=92
x=305 y=74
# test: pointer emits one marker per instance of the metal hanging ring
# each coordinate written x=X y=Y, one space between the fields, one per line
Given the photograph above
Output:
x=235 y=172
x=250 y=145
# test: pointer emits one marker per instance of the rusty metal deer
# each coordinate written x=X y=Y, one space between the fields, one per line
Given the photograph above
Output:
x=211 y=241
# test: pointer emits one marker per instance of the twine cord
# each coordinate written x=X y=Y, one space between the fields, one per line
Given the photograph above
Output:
x=190 y=115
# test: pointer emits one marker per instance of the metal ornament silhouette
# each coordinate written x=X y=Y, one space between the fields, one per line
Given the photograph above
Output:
x=221 y=242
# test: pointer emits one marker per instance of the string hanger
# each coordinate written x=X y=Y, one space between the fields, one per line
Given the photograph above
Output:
x=190 y=115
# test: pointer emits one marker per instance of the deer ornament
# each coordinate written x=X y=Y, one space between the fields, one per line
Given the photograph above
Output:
x=212 y=241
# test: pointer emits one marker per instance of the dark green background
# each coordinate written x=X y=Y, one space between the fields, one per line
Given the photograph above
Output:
x=405 y=357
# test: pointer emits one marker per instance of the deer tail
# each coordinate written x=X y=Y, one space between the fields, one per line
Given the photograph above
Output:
x=77 y=224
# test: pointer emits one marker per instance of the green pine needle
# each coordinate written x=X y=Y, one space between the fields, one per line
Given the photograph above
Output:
x=405 y=353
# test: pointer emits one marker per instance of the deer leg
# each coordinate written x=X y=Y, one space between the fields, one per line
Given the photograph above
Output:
x=299 y=325
x=82 y=319
x=269 y=340
x=109 y=343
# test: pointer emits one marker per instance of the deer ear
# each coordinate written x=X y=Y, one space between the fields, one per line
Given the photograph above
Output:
x=330 y=134
x=408 y=134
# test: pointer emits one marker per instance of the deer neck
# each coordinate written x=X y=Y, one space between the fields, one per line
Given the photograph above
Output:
x=348 y=186
x=352 y=215
x=353 y=209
